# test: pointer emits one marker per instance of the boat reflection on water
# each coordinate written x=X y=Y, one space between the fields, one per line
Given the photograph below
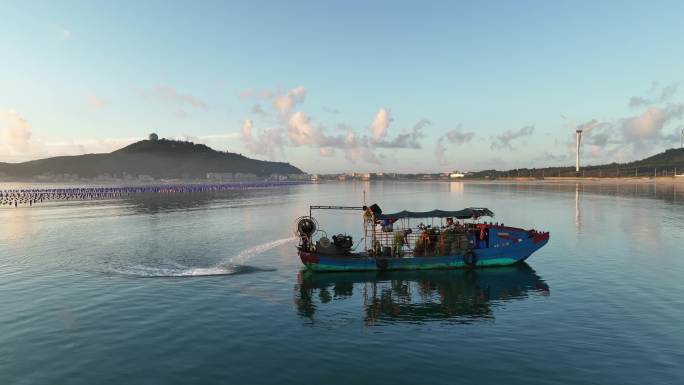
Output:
x=416 y=296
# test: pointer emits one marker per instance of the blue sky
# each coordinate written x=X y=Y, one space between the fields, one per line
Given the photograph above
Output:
x=341 y=86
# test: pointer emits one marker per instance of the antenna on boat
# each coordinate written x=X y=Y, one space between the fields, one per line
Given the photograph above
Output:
x=364 y=194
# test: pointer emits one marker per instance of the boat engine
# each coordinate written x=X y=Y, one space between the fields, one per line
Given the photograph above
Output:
x=343 y=242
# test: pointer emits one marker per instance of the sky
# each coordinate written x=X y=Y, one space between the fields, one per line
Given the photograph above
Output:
x=337 y=86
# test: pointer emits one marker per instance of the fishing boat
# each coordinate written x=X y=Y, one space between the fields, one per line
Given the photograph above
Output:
x=412 y=240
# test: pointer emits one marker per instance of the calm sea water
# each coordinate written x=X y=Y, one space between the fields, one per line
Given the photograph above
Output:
x=206 y=288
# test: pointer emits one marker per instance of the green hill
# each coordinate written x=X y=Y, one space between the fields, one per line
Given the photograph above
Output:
x=168 y=159
x=664 y=163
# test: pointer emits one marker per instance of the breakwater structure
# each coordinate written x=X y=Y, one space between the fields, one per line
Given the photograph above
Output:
x=28 y=197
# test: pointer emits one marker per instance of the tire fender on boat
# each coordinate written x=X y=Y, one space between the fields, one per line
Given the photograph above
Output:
x=470 y=259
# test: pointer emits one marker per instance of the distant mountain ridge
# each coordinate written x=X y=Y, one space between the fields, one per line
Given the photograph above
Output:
x=666 y=162
x=159 y=159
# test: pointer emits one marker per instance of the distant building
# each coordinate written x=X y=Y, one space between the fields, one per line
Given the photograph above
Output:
x=239 y=176
x=298 y=177
x=456 y=175
x=277 y=177
x=220 y=176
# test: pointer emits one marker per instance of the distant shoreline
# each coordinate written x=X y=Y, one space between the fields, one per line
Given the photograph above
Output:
x=547 y=180
x=605 y=180
x=558 y=180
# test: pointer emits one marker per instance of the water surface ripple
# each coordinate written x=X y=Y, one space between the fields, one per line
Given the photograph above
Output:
x=206 y=288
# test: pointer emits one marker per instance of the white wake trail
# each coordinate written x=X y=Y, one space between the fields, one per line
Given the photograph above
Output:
x=253 y=251
x=232 y=265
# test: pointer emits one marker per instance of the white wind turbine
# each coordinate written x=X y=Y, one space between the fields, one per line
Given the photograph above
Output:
x=578 y=132
x=578 y=138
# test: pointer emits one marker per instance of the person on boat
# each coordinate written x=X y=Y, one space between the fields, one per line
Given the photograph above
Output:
x=368 y=215
x=399 y=242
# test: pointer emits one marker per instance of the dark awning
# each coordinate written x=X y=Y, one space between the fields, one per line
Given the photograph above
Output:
x=470 y=212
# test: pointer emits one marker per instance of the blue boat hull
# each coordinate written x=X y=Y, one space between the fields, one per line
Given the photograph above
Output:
x=507 y=255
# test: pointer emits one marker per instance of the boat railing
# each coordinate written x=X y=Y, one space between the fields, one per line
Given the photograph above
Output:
x=425 y=240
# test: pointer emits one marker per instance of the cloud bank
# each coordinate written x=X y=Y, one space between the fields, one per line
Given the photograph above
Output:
x=509 y=138
x=294 y=128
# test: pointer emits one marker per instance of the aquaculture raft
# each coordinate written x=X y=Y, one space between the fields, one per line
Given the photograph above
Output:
x=438 y=239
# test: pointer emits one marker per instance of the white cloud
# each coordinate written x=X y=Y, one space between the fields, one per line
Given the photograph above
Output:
x=456 y=136
x=17 y=143
x=380 y=124
x=247 y=127
x=16 y=133
x=406 y=139
x=269 y=142
x=506 y=139
x=285 y=103
x=298 y=129
x=646 y=125
x=301 y=132
x=645 y=132
x=459 y=137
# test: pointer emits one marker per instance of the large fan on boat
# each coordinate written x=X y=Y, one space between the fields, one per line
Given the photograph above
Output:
x=306 y=226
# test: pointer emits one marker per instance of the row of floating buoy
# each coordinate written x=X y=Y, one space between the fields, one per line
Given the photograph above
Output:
x=29 y=197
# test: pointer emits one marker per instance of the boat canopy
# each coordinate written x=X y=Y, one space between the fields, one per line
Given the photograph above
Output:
x=471 y=212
